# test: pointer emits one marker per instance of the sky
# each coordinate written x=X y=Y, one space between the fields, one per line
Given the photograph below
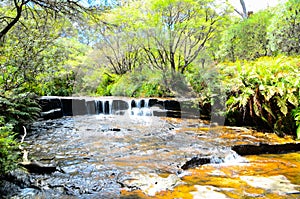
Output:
x=255 y=5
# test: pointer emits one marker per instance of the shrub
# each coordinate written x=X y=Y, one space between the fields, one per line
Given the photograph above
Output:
x=16 y=110
x=284 y=30
x=140 y=83
x=296 y=114
x=265 y=91
x=9 y=153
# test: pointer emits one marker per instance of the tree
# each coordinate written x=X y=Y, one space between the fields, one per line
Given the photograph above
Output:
x=177 y=31
x=243 y=14
x=26 y=8
x=28 y=52
x=284 y=30
x=118 y=50
x=246 y=39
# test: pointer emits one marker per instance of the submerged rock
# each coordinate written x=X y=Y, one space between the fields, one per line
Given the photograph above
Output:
x=273 y=184
x=208 y=192
x=12 y=183
x=150 y=183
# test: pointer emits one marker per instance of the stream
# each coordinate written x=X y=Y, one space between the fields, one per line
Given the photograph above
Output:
x=139 y=155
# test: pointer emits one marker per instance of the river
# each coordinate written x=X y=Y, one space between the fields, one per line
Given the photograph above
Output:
x=145 y=156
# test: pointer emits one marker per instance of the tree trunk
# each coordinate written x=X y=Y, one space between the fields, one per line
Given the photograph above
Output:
x=245 y=15
x=5 y=30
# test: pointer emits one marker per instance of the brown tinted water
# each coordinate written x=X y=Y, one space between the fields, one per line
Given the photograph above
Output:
x=141 y=157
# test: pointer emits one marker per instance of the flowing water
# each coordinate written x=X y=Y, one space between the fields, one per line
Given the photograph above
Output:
x=130 y=153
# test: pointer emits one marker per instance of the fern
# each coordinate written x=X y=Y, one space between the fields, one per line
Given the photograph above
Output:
x=296 y=114
x=268 y=87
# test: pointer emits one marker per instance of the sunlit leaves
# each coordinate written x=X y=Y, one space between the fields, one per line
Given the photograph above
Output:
x=246 y=39
x=284 y=30
x=269 y=88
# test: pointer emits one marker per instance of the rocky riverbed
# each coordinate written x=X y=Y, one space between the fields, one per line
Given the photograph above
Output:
x=113 y=156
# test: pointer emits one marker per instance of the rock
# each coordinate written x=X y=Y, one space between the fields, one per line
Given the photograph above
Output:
x=172 y=105
x=196 y=161
x=51 y=108
x=150 y=183
x=56 y=107
x=37 y=167
x=91 y=107
x=153 y=102
x=12 y=183
x=273 y=184
x=266 y=148
x=79 y=106
x=52 y=114
x=208 y=192
x=120 y=105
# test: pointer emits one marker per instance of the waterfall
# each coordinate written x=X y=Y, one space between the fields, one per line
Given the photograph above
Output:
x=140 y=107
x=55 y=107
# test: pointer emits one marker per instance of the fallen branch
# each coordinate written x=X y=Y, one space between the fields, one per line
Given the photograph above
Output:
x=25 y=152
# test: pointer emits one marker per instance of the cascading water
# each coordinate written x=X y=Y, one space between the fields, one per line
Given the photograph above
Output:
x=132 y=107
x=140 y=107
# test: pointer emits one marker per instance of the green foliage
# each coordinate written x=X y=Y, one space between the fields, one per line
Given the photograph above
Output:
x=60 y=84
x=165 y=35
x=246 y=39
x=266 y=89
x=296 y=115
x=284 y=31
x=205 y=81
x=16 y=110
x=141 y=83
x=8 y=148
x=105 y=86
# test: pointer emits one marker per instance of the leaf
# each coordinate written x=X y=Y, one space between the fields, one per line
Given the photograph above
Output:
x=292 y=99
x=268 y=109
x=270 y=92
x=256 y=109
x=281 y=103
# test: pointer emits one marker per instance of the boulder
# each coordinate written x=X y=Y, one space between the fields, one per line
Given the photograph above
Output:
x=172 y=105
x=266 y=148
x=37 y=167
x=67 y=106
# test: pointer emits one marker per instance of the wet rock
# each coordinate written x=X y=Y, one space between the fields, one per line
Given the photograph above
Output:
x=79 y=107
x=120 y=105
x=208 y=192
x=67 y=106
x=91 y=107
x=273 y=184
x=37 y=167
x=153 y=102
x=172 y=105
x=51 y=107
x=196 y=161
x=52 y=114
x=13 y=182
x=150 y=183
x=266 y=148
